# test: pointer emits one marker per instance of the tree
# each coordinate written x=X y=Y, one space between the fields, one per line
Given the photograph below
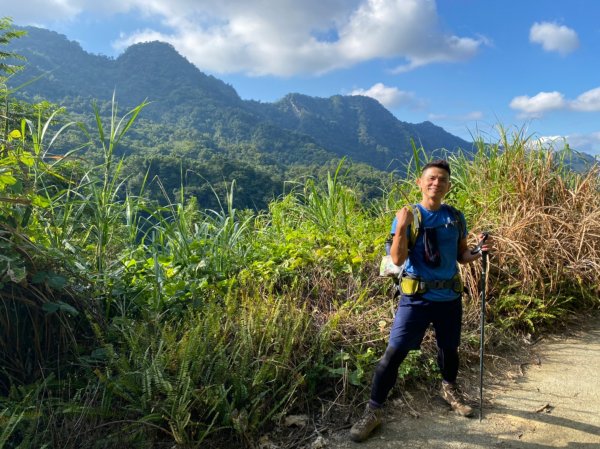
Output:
x=7 y=34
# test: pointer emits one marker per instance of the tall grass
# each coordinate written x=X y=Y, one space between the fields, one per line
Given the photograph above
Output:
x=38 y=321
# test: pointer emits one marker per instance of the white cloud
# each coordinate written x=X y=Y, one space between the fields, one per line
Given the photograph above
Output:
x=588 y=101
x=390 y=97
x=259 y=38
x=535 y=106
x=407 y=29
x=543 y=102
x=555 y=142
x=283 y=37
x=588 y=143
x=447 y=49
x=44 y=12
x=554 y=37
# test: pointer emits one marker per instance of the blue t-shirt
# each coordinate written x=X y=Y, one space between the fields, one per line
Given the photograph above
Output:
x=446 y=228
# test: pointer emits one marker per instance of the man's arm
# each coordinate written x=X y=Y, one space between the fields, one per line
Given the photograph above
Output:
x=399 y=249
x=464 y=252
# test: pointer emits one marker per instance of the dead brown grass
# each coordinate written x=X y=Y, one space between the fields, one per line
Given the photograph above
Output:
x=546 y=223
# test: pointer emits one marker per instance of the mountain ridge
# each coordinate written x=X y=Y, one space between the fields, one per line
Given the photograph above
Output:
x=344 y=126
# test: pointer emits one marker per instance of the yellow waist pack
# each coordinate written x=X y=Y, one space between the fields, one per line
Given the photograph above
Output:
x=412 y=286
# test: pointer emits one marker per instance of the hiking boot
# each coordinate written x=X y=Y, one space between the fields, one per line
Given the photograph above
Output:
x=455 y=398
x=369 y=421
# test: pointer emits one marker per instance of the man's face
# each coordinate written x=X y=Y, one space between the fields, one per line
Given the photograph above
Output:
x=434 y=183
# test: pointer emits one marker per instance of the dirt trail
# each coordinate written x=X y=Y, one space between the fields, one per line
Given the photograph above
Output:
x=555 y=404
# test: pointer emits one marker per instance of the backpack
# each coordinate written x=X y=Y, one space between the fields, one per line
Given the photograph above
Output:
x=387 y=268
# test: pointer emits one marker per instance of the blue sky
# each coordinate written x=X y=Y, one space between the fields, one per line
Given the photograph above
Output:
x=469 y=66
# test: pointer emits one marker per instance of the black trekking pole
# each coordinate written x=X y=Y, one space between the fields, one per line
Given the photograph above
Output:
x=484 y=257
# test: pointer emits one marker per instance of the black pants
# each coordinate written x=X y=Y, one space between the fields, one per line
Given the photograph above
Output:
x=413 y=316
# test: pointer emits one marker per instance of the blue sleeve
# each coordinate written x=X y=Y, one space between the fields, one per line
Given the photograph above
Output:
x=393 y=229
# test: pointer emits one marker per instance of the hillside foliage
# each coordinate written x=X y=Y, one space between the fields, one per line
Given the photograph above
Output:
x=192 y=118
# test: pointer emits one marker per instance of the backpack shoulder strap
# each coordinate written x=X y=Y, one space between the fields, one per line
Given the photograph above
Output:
x=458 y=218
x=415 y=228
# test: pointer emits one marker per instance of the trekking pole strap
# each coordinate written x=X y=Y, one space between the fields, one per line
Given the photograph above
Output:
x=478 y=248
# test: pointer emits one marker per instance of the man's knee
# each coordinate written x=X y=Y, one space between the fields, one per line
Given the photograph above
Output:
x=393 y=356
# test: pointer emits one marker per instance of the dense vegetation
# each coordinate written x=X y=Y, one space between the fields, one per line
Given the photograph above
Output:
x=131 y=322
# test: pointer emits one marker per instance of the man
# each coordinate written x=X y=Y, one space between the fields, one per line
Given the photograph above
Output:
x=430 y=292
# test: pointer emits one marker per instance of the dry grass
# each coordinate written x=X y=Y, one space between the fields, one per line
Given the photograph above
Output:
x=546 y=222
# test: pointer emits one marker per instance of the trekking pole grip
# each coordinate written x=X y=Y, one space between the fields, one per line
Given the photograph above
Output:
x=479 y=247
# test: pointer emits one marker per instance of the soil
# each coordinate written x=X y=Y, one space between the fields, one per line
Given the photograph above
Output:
x=552 y=400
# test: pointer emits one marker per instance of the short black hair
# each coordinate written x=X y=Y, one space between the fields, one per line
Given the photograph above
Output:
x=439 y=163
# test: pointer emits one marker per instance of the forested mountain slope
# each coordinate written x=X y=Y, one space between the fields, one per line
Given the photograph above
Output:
x=195 y=119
